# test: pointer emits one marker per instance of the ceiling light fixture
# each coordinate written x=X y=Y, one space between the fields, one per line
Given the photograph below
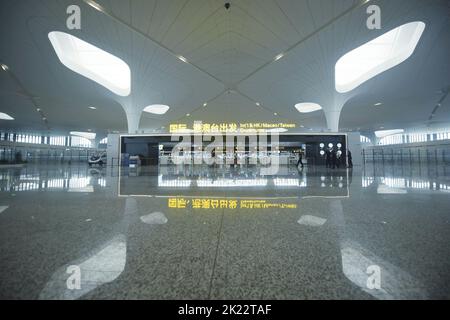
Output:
x=377 y=56
x=378 y=104
x=91 y=62
x=183 y=59
x=205 y=104
x=87 y=135
x=4 y=67
x=188 y=114
x=94 y=5
x=93 y=108
x=385 y=133
x=258 y=104
x=157 y=109
x=307 y=107
x=278 y=57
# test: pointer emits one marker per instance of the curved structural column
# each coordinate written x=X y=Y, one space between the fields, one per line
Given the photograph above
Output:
x=133 y=119
x=332 y=117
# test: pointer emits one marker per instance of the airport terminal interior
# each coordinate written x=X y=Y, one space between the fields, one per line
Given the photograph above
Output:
x=213 y=149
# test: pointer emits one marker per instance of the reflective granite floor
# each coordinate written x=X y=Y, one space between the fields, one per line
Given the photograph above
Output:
x=377 y=232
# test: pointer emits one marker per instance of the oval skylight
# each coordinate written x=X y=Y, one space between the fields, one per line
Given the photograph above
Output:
x=4 y=116
x=307 y=107
x=157 y=109
x=385 y=133
x=376 y=56
x=87 y=135
x=92 y=62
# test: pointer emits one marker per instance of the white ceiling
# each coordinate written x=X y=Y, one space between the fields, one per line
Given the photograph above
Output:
x=231 y=63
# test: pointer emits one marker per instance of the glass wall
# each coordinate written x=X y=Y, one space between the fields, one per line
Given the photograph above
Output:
x=411 y=138
x=43 y=148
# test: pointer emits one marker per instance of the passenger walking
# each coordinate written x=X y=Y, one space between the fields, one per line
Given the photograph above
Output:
x=300 y=157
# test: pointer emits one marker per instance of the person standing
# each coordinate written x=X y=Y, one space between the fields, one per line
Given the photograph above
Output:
x=300 y=158
x=328 y=158
x=350 y=160
x=333 y=159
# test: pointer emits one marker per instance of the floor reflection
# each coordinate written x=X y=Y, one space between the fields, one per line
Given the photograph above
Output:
x=225 y=233
x=195 y=180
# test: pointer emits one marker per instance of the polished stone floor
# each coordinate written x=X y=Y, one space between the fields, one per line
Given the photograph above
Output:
x=225 y=233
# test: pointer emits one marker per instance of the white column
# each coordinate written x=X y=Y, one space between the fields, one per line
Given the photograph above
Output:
x=332 y=117
x=133 y=119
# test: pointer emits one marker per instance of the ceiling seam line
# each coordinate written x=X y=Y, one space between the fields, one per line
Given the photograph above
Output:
x=117 y=19
x=362 y=3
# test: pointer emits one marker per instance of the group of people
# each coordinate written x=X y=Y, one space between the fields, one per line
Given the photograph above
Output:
x=332 y=158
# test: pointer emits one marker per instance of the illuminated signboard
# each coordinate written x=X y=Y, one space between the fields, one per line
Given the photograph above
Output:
x=200 y=127
x=183 y=203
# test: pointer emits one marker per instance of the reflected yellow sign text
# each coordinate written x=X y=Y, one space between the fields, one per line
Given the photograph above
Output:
x=183 y=203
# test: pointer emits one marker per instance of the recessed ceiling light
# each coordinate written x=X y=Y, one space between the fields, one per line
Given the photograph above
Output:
x=4 y=67
x=157 y=109
x=188 y=114
x=91 y=62
x=275 y=114
x=94 y=5
x=377 y=104
x=205 y=104
x=307 y=107
x=258 y=104
x=4 y=116
x=377 y=56
x=38 y=109
x=278 y=56
x=182 y=59
x=93 y=108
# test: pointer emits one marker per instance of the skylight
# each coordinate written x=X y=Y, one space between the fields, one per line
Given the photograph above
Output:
x=87 y=135
x=377 y=56
x=157 y=109
x=92 y=62
x=307 y=107
x=4 y=116
x=385 y=133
